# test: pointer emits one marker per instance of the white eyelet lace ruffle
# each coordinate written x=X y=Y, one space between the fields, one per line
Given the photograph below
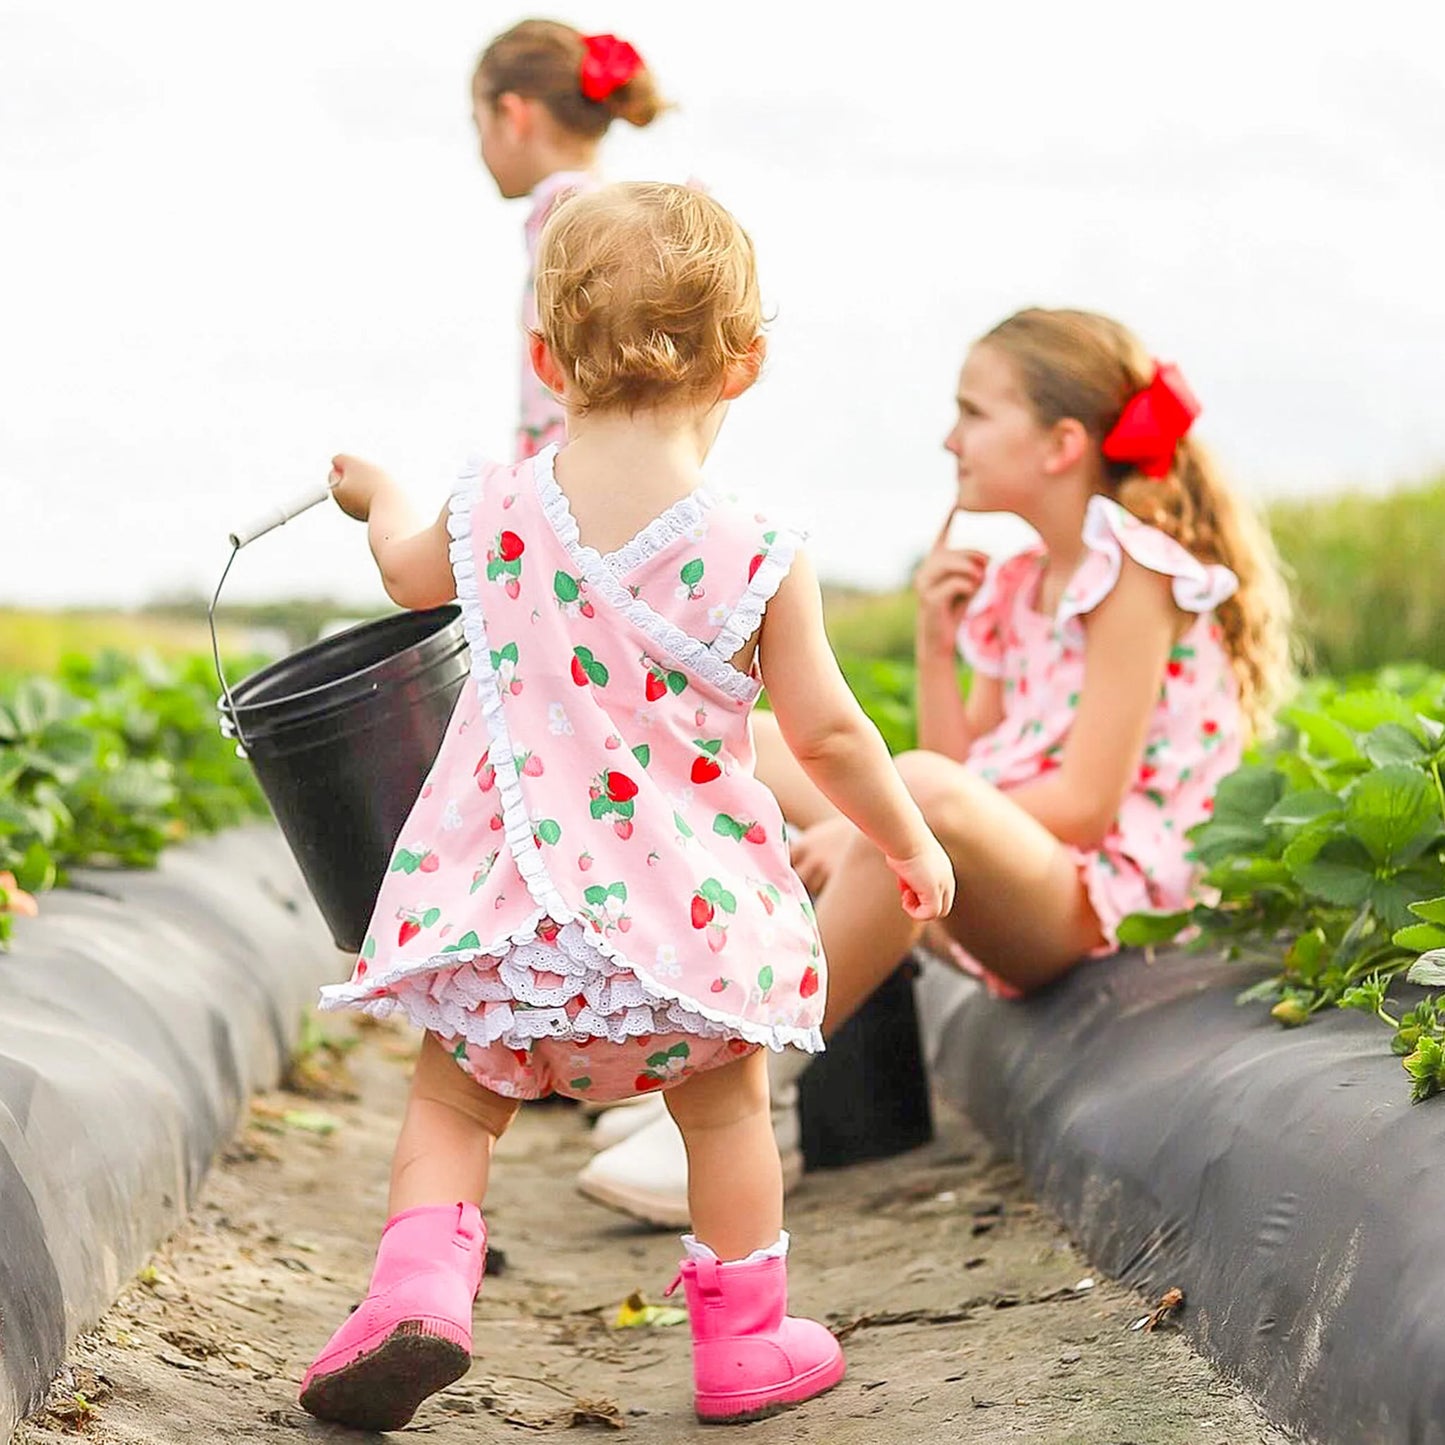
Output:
x=1109 y=532
x=747 y=616
x=688 y=652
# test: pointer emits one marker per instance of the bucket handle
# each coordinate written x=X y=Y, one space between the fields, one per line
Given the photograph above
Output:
x=258 y=527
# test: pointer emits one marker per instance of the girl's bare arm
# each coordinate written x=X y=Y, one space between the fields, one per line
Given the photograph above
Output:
x=835 y=742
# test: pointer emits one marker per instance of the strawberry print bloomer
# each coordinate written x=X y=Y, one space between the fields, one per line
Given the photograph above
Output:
x=592 y=894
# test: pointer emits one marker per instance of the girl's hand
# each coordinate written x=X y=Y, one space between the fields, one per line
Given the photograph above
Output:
x=945 y=585
x=816 y=851
x=355 y=484
x=926 y=882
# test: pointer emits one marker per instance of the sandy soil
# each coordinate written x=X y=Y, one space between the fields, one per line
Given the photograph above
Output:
x=959 y=1299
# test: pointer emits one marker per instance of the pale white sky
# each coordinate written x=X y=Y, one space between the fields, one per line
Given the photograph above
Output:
x=236 y=240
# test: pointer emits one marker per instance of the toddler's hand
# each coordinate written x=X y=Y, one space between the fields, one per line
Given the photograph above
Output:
x=925 y=880
x=355 y=484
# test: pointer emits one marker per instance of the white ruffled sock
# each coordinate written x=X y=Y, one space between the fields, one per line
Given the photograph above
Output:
x=696 y=1249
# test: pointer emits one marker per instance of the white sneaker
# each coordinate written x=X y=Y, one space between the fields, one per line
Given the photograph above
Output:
x=645 y=1176
x=625 y=1120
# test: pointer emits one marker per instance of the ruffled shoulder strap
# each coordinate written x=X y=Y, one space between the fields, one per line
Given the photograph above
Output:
x=767 y=556
x=1109 y=532
x=982 y=632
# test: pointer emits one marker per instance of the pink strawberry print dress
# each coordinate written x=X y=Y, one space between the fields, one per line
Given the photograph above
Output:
x=592 y=894
x=544 y=419
x=1195 y=737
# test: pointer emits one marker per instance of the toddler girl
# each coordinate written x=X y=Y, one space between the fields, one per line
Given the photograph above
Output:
x=592 y=894
x=543 y=97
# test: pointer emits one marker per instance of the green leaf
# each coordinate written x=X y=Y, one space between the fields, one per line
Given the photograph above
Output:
x=549 y=831
x=618 y=890
x=509 y=653
x=1142 y=930
x=597 y=674
x=727 y=902
x=1325 y=737
x=1261 y=992
x=1394 y=812
x=1364 y=710
x=595 y=895
x=681 y=824
x=429 y=918
x=1420 y=937
x=565 y=586
x=1305 y=807
x=712 y=890
x=585 y=1082
x=711 y=746
x=467 y=940
x=1343 y=884
x=676 y=682
x=1391 y=743
x=643 y=754
x=602 y=807
x=765 y=977
x=1432 y=910
x=726 y=827
x=691 y=574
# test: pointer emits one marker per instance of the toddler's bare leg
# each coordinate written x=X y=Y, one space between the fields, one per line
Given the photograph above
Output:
x=735 y=1182
x=452 y=1124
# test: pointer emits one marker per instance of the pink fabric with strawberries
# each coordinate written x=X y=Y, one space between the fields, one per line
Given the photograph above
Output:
x=1195 y=736
x=592 y=894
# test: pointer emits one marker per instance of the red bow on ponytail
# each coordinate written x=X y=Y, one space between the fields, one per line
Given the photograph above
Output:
x=1153 y=423
x=607 y=66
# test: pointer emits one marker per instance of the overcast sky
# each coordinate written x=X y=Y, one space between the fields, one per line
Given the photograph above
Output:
x=236 y=240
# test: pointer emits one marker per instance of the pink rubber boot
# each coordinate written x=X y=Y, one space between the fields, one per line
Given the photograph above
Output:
x=749 y=1356
x=412 y=1334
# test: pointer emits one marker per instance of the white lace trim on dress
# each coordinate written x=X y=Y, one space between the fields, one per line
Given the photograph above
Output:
x=1111 y=530
x=666 y=636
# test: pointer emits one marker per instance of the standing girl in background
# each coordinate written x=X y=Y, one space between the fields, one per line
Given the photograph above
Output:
x=543 y=98
x=1119 y=667
x=592 y=894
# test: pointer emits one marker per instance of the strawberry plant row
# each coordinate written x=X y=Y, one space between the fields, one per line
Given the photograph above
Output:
x=107 y=763
x=1324 y=857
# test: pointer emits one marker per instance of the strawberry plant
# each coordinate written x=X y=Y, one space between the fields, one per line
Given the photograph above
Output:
x=106 y=764
x=1325 y=857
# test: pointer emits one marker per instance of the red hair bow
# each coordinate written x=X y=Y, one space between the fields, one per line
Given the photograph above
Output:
x=1153 y=423
x=607 y=66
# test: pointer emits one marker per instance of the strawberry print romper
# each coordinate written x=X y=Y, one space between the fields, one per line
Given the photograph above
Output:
x=592 y=894
x=1195 y=737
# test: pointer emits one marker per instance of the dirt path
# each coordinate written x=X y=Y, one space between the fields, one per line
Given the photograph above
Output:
x=967 y=1323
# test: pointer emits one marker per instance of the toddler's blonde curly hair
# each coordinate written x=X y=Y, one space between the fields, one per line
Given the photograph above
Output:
x=647 y=293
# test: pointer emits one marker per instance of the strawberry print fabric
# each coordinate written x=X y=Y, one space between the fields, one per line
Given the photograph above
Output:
x=544 y=420
x=1195 y=737
x=592 y=864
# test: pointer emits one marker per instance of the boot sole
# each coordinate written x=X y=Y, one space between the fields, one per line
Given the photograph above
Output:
x=660 y=1210
x=382 y=1389
x=744 y=1407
